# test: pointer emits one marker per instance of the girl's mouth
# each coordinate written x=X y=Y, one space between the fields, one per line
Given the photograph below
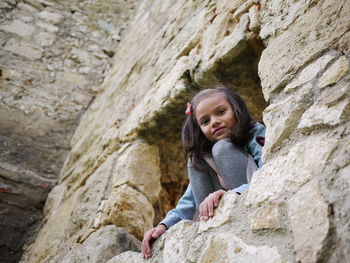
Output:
x=218 y=131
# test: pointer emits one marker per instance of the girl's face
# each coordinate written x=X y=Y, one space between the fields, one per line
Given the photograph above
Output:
x=215 y=116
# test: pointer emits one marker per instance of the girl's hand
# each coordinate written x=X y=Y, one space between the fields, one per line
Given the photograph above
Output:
x=149 y=237
x=206 y=208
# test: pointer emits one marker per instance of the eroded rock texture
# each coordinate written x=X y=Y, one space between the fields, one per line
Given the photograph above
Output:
x=127 y=144
x=126 y=168
x=54 y=56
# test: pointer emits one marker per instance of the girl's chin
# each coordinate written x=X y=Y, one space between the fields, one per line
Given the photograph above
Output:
x=222 y=136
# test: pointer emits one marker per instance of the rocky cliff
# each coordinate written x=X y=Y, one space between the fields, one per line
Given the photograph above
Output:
x=54 y=56
x=289 y=60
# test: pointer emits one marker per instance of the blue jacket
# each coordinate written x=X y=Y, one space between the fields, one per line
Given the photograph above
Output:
x=186 y=206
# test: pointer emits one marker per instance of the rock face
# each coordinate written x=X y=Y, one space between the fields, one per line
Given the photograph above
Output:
x=125 y=166
x=54 y=57
x=210 y=241
x=101 y=245
x=128 y=208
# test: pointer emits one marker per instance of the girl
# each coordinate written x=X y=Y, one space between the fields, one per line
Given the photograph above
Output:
x=223 y=148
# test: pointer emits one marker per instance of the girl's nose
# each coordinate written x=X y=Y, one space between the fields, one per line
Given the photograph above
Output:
x=215 y=122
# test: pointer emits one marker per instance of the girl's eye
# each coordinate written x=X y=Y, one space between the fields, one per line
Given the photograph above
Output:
x=222 y=111
x=204 y=122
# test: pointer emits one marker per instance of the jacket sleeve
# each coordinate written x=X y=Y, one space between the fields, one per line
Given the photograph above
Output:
x=184 y=209
x=254 y=146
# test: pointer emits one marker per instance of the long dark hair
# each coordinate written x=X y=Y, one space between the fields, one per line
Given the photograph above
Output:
x=195 y=144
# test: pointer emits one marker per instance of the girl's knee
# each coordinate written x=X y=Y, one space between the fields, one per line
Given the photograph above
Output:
x=224 y=147
x=221 y=147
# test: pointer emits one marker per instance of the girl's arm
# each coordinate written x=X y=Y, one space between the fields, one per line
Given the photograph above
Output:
x=184 y=209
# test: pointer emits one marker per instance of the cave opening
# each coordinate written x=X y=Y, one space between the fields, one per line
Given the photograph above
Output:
x=240 y=74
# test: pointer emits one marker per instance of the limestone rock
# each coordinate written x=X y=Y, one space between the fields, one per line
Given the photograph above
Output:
x=170 y=51
x=266 y=218
x=177 y=242
x=226 y=248
x=216 y=246
x=19 y=27
x=284 y=13
x=344 y=44
x=102 y=245
x=128 y=257
x=192 y=33
x=345 y=174
x=156 y=100
x=69 y=216
x=291 y=49
x=295 y=166
x=242 y=9
x=75 y=78
x=26 y=187
x=50 y=16
x=254 y=23
x=281 y=118
x=139 y=166
x=228 y=48
x=222 y=213
x=7 y=4
x=320 y=114
x=331 y=108
x=54 y=199
x=213 y=35
x=81 y=97
x=44 y=39
x=48 y=27
x=39 y=109
x=311 y=71
x=27 y=7
x=308 y=215
x=24 y=49
x=127 y=208
x=56 y=232
x=338 y=70
x=184 y=241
